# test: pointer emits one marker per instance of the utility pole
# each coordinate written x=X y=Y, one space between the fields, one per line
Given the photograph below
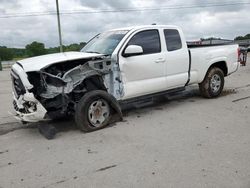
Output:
x=59 y=26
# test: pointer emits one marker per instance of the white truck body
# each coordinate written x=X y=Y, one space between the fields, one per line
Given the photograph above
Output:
x=128 y=72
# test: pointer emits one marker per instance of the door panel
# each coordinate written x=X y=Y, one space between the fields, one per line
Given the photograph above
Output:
x=177 y=59
x=177 y=68
x=143 y=74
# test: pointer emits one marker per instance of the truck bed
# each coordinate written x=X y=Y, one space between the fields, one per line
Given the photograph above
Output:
x=203 y=55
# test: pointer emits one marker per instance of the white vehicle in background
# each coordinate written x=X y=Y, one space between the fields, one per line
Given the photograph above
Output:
x=117 y=67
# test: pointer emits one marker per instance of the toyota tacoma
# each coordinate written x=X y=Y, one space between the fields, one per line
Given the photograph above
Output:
x=117 y=67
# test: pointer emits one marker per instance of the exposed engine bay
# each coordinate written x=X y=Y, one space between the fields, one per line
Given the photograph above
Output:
x=60 y=86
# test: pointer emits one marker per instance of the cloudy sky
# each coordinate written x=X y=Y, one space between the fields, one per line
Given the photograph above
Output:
x=198 y=18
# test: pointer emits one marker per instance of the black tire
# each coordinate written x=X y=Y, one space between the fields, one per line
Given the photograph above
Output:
x=213 y=83
x=83 y=110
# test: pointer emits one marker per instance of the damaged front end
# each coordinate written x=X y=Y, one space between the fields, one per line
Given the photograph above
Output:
x=27 y=107
x=54 y=91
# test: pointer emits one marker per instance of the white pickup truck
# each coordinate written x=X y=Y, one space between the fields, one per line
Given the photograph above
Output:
x=117 y=67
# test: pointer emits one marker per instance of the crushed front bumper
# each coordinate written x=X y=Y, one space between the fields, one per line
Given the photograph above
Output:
x=28 y=109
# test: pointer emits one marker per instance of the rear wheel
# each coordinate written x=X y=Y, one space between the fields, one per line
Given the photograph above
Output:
x=213 y=83
x=93 y=111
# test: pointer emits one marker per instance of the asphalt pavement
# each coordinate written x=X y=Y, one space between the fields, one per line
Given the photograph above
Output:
x=184 y=141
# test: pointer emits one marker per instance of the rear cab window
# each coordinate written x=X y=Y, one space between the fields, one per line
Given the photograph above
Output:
x=149 y=40
x=173 y=39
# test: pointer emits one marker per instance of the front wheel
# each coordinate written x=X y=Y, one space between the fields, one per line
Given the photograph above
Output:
x=213 y=83
x=93 y=111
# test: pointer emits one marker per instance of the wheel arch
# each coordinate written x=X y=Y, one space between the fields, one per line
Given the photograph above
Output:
x=221 y=65
x=90 y=83
x=84 y=100
x=94 y=82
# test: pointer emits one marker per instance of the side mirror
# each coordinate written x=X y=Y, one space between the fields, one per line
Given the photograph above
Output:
x=133 y=50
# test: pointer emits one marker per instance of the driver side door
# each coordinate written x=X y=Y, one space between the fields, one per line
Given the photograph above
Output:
x=143 y=73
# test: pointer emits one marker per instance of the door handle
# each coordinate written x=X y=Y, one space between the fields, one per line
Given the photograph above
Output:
x=160 y=60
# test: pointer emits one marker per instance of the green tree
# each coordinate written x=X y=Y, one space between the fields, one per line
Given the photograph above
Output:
x=35 y=49
x=67 y=48
x=239 y=38
x=19 y=53
x=247 y=36
x=73 y=47
x=6 y=53
x=53 y=50
x=82 y=44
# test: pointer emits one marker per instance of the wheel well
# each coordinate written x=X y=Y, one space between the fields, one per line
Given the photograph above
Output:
x=94 y=83
x=91 y=83
x=221 y=65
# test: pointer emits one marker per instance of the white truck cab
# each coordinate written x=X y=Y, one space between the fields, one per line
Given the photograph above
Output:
x=158 y=67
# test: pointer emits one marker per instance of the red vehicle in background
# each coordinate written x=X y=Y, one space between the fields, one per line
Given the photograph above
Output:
x=243 y=55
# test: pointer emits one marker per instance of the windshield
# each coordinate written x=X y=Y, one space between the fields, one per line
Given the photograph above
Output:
x=104 y=43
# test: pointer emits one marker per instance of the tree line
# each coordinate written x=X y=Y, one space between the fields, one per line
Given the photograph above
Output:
x=247 y=36
x=37 y=48
x=34 y=49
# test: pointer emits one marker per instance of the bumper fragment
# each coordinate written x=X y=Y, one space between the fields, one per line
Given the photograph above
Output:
x=28 y=109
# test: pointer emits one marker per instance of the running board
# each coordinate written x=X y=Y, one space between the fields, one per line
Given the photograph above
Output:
x=144 y=100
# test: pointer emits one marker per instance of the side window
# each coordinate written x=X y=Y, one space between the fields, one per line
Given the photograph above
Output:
x=149 y=41
x=173 y=39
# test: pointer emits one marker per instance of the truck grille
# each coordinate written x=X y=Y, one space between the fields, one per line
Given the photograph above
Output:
x=17 y=84
x=24 y=110
x=15 y=106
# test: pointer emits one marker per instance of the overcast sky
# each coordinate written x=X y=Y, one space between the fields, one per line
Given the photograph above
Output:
x=219 y=21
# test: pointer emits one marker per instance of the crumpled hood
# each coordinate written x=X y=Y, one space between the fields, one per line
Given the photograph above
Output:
x=39 y=62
